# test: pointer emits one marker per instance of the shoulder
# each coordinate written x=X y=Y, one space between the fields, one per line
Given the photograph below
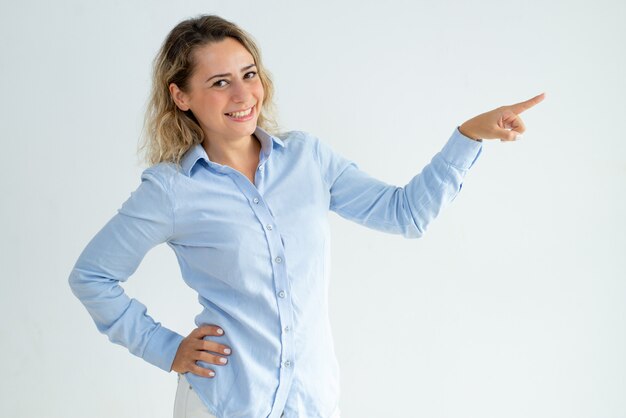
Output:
x=300 y=141
x=296 y=137
x=320 y=149
x=163 y=174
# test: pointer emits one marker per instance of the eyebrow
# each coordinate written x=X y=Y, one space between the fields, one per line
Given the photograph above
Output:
x=229 y=74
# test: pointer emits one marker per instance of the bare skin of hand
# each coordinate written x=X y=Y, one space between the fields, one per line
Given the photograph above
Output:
x=194 y=348
x=502 y=123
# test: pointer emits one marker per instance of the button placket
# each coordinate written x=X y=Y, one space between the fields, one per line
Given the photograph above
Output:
x=281 y=282
x=278 y=269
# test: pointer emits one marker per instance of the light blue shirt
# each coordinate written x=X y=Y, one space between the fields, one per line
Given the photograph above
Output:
x=259 y=256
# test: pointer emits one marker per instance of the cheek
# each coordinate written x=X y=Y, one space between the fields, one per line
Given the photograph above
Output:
x=259 y=92
x=213 y=102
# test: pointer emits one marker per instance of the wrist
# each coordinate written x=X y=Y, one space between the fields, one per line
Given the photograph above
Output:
x=464 y=131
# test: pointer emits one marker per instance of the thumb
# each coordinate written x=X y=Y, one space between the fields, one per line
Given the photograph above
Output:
x=506 y=135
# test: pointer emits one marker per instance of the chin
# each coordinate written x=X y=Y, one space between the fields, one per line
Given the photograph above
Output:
x=248 y=129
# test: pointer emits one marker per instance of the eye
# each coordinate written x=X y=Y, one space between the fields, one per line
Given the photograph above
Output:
x=217 y=83
x=250 y=72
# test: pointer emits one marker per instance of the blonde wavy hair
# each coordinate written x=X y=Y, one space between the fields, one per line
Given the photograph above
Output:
x=169 y=132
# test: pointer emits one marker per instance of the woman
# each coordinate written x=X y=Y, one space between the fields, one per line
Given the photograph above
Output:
x=245 y=211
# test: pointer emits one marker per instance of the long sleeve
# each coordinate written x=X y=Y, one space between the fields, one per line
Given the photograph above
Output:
x=407 y=210
x=144 y=220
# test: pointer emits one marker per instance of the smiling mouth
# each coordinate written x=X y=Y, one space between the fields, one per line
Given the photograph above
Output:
x=241 y=113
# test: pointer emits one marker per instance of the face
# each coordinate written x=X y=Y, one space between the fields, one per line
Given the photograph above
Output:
x=224 y=91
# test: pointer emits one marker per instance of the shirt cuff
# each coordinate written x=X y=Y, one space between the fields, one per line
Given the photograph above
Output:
x=162 y=347
x=461 y=151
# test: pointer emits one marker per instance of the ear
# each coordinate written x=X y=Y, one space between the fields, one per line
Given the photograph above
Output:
x=179 y=97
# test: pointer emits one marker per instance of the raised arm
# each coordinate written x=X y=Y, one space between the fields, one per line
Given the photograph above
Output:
x=410 y=209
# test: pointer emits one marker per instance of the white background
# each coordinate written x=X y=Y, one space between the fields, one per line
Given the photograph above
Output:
x=511 y=305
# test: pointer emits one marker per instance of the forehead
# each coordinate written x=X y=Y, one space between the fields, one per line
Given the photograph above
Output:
x=221 y=56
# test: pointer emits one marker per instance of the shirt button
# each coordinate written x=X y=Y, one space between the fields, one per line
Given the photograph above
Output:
x=281 y=294
x=278 y=260
x=255 y=200
x=287 y=363
x=261 y=168
x=287 y=329
x=269 y=227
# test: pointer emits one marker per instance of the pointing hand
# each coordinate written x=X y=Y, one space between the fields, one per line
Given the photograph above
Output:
x=503 y=123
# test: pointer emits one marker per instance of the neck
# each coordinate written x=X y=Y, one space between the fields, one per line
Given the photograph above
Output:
x=233 y=153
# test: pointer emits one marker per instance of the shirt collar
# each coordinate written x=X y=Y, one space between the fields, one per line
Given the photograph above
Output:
x=197 y=151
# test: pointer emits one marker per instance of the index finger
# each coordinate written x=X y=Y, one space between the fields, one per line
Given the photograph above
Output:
x=522 y=106
x=209 y=329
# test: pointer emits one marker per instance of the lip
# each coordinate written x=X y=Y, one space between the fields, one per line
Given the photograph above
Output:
x=245 y=118
x=240 y=110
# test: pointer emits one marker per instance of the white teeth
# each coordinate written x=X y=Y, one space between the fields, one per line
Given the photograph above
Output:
x=240 y=114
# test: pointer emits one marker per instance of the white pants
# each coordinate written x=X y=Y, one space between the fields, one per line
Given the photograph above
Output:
x=189 y=405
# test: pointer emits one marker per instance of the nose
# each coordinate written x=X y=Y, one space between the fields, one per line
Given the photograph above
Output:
x=240 y=92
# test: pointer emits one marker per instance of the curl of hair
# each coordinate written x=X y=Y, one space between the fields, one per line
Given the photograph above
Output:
x=169 y=132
